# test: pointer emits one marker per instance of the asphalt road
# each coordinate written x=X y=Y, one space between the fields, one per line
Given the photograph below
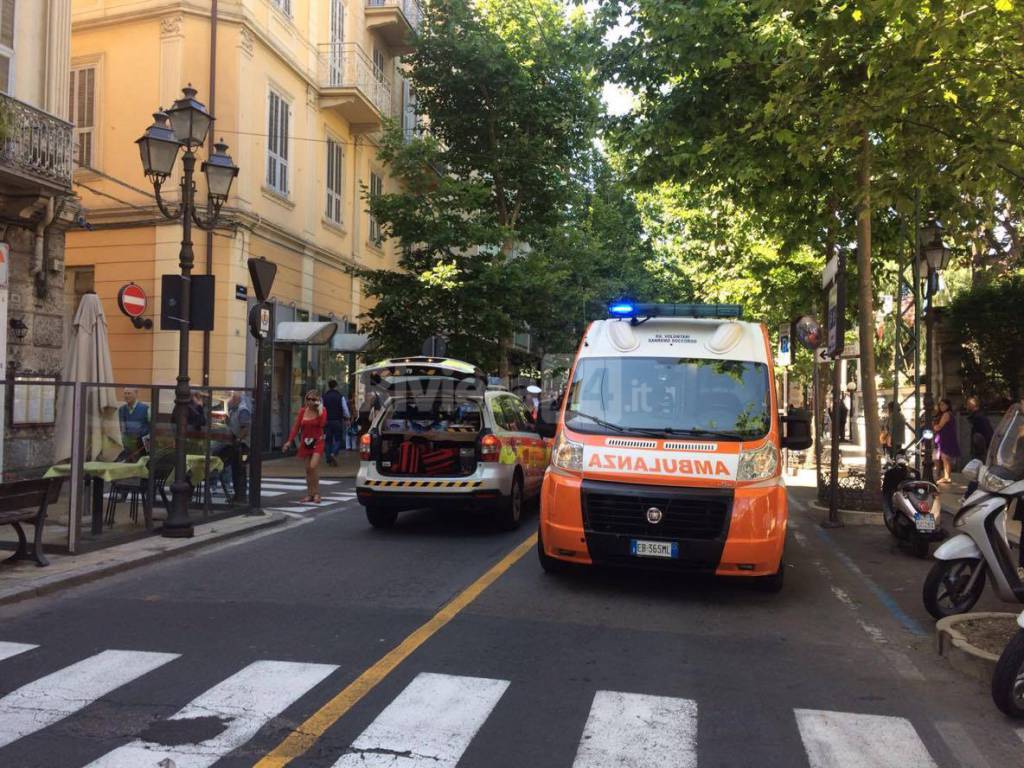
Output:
x=273 y=645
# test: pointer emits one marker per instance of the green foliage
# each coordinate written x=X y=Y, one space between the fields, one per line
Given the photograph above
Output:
x=988 y=320
x=508 y=217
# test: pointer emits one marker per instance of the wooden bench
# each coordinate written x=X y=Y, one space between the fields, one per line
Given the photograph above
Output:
x=25 y=501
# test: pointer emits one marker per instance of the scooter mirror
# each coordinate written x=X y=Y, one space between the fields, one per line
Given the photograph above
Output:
x=971 y=471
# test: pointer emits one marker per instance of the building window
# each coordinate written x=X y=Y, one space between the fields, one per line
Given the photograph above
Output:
x=410 y=119
x=278 y=114
x=376 y=190
x=82 y=113
x=378 y=64
x=285 y=6
x=7 y=46
x=334 y=177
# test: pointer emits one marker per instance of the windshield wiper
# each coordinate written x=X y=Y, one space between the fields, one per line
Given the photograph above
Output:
x=599 y=421
x=696 y=432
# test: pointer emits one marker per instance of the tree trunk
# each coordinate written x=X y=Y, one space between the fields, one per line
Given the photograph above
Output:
x=866 y=319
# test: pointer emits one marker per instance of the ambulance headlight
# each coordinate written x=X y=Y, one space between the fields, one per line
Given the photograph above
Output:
x=759 y=463
x=567 y=454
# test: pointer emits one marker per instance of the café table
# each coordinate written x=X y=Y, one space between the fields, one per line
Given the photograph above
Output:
x=100 y=472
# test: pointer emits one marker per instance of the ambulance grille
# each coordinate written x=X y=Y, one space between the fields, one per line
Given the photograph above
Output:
x=618 y=442
x=689 y=515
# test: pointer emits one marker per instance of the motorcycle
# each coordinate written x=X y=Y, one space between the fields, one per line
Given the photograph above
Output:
x=1008 y=679
x=980 y=549
x=910 y=507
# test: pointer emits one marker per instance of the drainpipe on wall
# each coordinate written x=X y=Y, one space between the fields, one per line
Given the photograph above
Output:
x=39 y=256
x=211 y=140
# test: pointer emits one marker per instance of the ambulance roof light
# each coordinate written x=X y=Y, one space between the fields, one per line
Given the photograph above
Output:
x=624 y=308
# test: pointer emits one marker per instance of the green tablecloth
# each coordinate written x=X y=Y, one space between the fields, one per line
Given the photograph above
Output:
x=111 y=471
x=108 y=471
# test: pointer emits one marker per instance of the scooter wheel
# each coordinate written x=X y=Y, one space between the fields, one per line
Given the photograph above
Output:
x=1008 y=679
x=945 y=589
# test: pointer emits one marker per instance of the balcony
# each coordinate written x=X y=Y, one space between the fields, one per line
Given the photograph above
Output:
x=396 y=21
x=35 y=149
x=352 y=87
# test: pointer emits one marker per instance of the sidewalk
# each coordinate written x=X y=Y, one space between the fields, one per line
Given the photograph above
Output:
x=24 y=580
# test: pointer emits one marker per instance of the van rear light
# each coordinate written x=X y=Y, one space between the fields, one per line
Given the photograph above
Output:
x=490 y=448
x=364 y=447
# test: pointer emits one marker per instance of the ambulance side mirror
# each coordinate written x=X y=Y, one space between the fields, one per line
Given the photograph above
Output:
x=547 y=417
x=797 y=430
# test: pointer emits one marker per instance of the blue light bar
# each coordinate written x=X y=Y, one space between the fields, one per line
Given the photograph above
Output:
x=629 y=309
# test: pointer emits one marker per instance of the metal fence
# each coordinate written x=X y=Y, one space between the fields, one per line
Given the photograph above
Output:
x=35 y=143
x=114 y=446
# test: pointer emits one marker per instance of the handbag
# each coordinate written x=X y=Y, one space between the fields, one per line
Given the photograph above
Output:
x=309 y=442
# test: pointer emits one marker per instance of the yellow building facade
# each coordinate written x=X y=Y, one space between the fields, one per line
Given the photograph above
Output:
x=300 y=89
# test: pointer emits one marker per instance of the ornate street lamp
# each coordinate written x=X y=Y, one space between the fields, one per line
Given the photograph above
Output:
x=184 y=126
x=934 y=256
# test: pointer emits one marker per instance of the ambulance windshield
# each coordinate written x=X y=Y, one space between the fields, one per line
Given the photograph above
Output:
x=659 y=396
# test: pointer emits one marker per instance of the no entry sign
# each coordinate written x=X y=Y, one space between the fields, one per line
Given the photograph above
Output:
x=131 y=299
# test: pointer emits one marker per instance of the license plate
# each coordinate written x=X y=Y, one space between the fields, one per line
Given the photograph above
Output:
x=924 y=522
x=640 y=548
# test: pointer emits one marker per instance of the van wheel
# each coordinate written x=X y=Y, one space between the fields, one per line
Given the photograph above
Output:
x=509 y=513
x=548 y=563
x=773 y=584
x=381 y=518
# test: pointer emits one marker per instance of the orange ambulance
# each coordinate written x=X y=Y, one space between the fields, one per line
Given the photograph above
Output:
x=667 y=447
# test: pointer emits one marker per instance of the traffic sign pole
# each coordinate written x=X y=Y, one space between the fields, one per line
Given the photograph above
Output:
x=834 y=282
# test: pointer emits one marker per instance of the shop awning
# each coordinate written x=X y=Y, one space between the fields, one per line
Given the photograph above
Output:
x=349 y=342
x=305 y=332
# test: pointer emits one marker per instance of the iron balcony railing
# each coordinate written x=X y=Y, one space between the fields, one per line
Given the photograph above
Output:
x=410 y=9
x=34 y=143
x=346 y=65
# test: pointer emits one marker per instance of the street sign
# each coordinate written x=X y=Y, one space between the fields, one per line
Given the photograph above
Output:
x=262 y=273
x=201 y=302
x=833 y=319
x=830 y=271
x=785 y=355
x=259 y=321
x=241 y=292
x=131 y=300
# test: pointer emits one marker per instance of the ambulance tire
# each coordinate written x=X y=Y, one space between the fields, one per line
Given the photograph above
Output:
x=509 y=512
x=548 y=563
x=379 y=517
x=773 y=584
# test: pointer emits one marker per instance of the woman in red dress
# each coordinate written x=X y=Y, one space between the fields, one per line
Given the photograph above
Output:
x=309 y=429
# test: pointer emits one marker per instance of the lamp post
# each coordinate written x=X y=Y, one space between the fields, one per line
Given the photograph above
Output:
x=184 y=126
x=934 y=257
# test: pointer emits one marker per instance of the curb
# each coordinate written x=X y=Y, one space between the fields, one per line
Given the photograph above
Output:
x=852 y=516
x=964 y=657
x=86 y=576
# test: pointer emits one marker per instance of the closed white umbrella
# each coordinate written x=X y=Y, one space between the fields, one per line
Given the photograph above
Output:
x=88 y=360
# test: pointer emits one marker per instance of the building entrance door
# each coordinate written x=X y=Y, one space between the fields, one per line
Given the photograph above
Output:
x=280 y=397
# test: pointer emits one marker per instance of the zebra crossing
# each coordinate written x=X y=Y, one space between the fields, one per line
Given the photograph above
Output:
x=274 y=487
x=431 y=722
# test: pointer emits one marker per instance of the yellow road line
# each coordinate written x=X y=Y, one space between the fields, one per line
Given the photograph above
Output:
x=303 y=737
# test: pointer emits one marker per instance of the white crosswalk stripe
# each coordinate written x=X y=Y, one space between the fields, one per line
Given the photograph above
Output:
x=430 y=723
x=632 y=730
x=243 y=703
x=849 y=740
x=50 y=699
x=13 y=649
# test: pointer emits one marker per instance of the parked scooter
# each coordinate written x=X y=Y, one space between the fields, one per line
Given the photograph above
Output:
x=910 y=506
x=980 y=549
x=1008 y=679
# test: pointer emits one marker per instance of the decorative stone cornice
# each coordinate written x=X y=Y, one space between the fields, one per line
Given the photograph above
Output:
x=246 y=41
x=172 y=26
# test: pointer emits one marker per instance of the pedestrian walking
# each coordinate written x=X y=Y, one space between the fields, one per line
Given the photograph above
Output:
x=981 y=429
x=308 y=436
x=368 y=410
x=239 y=424
x=338 y=420
x=894 y=428
x=946 y=442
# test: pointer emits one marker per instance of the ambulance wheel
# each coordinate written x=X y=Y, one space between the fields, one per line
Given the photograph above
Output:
x=548 y=563
x=381 y=518
x=509 y=513
x=773 y=584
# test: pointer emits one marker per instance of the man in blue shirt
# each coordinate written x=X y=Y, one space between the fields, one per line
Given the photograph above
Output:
x=338 y=415
x=134 y=418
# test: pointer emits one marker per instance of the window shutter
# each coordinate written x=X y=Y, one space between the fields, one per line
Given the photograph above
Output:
x=82 y=113
x=6 y=45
